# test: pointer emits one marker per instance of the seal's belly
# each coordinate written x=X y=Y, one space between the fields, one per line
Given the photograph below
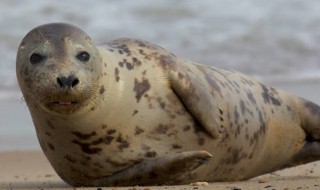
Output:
x=158 y=124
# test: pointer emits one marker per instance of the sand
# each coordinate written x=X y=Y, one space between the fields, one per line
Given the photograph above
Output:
x=31 y=170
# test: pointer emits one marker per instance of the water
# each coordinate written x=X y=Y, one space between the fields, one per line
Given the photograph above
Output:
x=273 y=40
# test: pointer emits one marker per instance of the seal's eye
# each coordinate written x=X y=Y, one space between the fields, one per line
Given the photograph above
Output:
x=83 y=56
x=36 y=58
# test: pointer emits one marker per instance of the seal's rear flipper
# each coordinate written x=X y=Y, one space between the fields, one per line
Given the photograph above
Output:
x=310 y=120
x=165 y=170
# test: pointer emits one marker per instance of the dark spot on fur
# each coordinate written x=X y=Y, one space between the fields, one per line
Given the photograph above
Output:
x=129 y=66
x=136 y=62
x=161 y=103
x=101 y=91
x=86 y=147
x=140 y=88
x=121 y=64
x=214 y=85
x=150 y=154
x=69 y=158
x=83 y=136
x=167 y=62
x=242 y=106
x=111 y=131
x=268 y=96
x=289 y=108
x=262 y=122
x=144 y=72
x=135 y=112
x=176 y=146
x=138 y=130
x=123 y=48
x=141 y=44
x=162 y=129
x=49 y=123
x=107 y=139
x=235 y=156
x=92 y=108
x=48 y=134
x=141 y=52
x=97 y=141
x=246 y=81
x=275 y=101
x=51 y=147
x=104 y=126
x=251 y=98
x=122 y=143
x=116 y=74
x=236 y=115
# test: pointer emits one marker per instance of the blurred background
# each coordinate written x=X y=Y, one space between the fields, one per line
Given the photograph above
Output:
x=275 y=41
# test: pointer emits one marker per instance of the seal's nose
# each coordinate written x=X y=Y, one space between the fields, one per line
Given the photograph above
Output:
x=67 y=82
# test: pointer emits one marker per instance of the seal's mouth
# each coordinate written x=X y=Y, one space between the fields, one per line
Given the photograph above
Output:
x=65 y=103
x=63 y=106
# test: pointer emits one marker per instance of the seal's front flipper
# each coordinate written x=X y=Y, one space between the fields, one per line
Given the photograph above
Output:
x=165 y=170
x=197 y=98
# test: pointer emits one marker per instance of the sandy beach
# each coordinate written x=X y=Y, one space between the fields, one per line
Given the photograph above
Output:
x=31 y=170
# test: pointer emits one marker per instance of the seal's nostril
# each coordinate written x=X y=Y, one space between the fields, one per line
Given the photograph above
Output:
x=59 y=81
x=69 y=82
x=75 y=82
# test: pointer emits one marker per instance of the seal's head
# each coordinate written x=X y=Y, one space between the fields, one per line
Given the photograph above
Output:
x=58 y=67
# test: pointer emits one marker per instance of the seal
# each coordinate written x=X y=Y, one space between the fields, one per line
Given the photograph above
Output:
x=131 y=113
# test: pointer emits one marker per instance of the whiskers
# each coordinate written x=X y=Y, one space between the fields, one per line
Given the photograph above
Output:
x=96 y=97
x=22 y=100
x=41 y=35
